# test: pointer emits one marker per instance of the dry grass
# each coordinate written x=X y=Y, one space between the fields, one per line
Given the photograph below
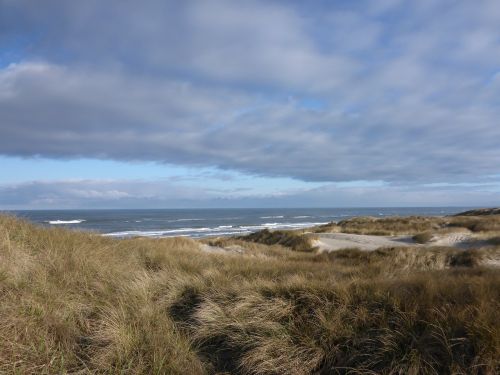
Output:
x=412 y=225
x=388 y=226
x=80 y=303
x=423 y=238
x=292 y=239
x=486 y=223
x=327 y=228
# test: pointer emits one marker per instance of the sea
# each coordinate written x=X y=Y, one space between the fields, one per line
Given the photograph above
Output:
x=199 y=223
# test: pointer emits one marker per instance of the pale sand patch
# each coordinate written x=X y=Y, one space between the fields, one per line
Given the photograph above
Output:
x=459 y=239
x=493 y=262
x=338 y=241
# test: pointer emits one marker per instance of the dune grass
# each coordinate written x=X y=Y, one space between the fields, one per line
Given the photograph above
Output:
x=288 y=238
x=423 y=238
x=386 y=226
x=412 y=225
x=80 y=303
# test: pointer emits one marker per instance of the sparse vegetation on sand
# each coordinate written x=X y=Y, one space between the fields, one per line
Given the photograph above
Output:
x=389 y=226
x=423 y=237
x=386 y=226
x=80 y=303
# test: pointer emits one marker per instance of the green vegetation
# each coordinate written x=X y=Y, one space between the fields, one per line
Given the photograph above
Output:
x=79 y=303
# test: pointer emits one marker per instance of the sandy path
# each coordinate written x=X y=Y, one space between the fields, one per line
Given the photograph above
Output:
x=338 y=241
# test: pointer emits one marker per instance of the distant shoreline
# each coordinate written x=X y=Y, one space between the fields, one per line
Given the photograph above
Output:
x=204 y=223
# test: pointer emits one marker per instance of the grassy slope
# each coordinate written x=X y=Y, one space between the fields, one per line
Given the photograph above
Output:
x=413 y=224
x=76 y=302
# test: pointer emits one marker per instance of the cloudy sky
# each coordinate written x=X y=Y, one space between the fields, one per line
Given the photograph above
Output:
x=237 y=103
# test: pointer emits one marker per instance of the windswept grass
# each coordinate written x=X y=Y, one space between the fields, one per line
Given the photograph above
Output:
x=423 y=238
x=292 y=239
x=412 y=225
x=80 y=303
x=486 y=223
x=386 y=226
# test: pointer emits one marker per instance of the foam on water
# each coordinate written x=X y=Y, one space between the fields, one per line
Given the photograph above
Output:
x=221 y=230
x=60 y=222
x=179 y=220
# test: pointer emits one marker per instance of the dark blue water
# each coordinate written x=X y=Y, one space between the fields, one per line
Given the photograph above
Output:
x=209 y=222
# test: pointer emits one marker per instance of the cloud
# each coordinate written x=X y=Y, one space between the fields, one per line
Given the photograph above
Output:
x=408 y=89
x=168 y=194
x=100 y=194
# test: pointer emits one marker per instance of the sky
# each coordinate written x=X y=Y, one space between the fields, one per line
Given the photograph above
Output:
x=236 y=103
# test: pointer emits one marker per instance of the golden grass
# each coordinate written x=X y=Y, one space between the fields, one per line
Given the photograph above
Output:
x=386 y=226
x=412 y=225
x=288 y=238
x=80 y=303
x=487 y=223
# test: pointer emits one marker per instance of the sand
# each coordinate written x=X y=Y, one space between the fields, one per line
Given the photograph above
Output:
x=338 y=241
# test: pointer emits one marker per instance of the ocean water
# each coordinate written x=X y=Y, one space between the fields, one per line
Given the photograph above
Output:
x=198 y=223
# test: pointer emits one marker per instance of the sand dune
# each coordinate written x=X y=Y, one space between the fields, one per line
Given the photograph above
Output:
x=337 y=241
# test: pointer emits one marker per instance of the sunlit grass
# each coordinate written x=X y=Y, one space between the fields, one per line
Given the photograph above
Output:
x=80 y=303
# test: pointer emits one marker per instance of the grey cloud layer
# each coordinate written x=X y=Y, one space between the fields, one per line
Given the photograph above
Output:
x=157 y=194
x=401 y=91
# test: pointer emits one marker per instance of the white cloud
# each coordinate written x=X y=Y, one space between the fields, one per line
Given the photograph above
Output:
x=165 y=194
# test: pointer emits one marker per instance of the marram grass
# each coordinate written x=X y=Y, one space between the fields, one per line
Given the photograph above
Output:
x=79 y=303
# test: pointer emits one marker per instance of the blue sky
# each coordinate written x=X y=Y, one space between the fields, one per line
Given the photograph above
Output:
x=249 y=103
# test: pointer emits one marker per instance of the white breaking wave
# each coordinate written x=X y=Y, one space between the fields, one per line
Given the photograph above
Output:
x=177 y=220
x=281 y=226
x=222 y=230
x=155 y=233
x=272 y=217
x=301 y=217
x=59 y=222
x=173 y=232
